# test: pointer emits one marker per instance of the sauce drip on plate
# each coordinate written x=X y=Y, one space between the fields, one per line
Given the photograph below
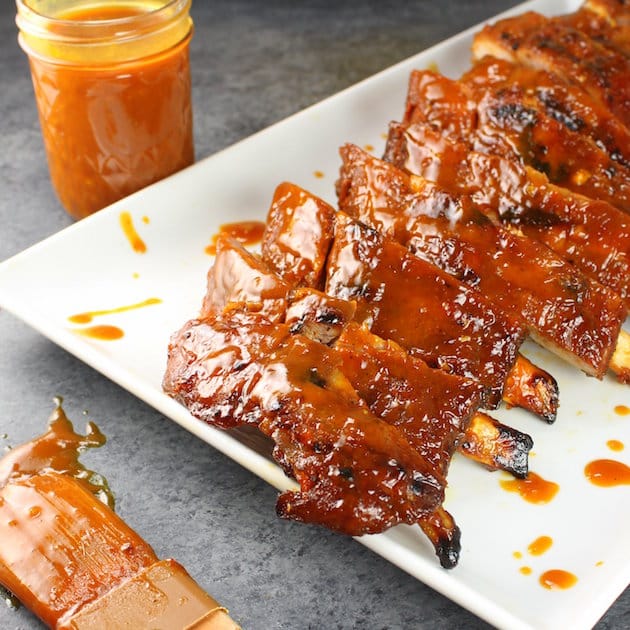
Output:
x=126 y=223
x=102 y=332
x=607 y=473
x=534 y=489
x=557 y=579
x=622 y=410
x=539 y=546
x=615 y=445
x=87 y=317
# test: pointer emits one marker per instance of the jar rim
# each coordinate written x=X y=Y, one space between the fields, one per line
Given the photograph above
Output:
x=39 y=24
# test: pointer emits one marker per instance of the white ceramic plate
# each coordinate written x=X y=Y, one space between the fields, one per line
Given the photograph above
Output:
x=91 y=266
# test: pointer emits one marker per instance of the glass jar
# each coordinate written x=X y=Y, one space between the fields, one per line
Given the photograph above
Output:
x=112 y=85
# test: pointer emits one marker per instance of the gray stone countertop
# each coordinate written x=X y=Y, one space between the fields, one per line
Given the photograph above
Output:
x=253 y=64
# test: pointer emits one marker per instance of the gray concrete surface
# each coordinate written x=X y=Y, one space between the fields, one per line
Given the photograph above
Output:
x=253 y=64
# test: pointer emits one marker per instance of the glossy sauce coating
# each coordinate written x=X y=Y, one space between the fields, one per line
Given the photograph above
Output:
x=445 y=323
x=299 y=233
x=607 y=473
x=245 y=232
x=591 y=235
x=57 y=542
x=533 y=489
x=564 y=310
x=57 y=450
x=395 y=387
x=296 y=215
x=113 y=127
x=357 y=474
x=88 y=316
x=308 y=243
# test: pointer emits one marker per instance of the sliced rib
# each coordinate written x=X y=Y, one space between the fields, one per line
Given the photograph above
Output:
x=592 y=235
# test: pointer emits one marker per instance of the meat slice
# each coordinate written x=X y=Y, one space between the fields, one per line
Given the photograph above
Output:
x=357 y=473
x=534 y=40
x=573 y=316
x=514 y=122
x=297 y=239
x=592 y=235
x=237 y=278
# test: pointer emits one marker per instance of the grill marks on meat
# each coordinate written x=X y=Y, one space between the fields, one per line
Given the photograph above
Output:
x=539 y=42
x=532 y=125
x=592 y=235
x=563 y=310
x=568 y=104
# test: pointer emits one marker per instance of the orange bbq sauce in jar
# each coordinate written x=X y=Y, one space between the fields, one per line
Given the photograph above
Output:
x=112 y=85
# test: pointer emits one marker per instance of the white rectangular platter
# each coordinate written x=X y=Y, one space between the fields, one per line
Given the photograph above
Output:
x=91 y=266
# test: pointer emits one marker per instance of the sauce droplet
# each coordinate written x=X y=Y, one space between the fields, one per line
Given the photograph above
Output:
x=557 y=579
x=126 y=223
x=540 y=545
x=615 y=445
x=518 y=555
x=245 y=232
x=607 y=473
x=622 y=410
x=525 y=570
x=102 y=332
x=369 y=148
x=87 y=317
x=599 y=563
x=533 y=488
x=318 y=174
x=146 y=220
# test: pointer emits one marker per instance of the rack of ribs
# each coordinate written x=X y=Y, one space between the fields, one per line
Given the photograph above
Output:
x=333 y=397
x=562 y=309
